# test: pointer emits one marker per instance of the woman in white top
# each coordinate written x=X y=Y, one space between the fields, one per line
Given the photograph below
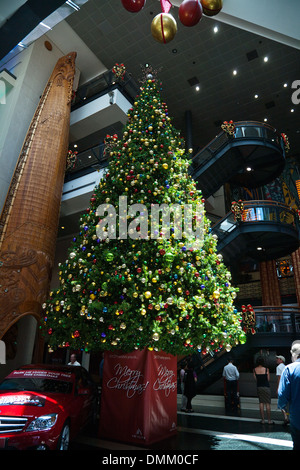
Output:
x=279 y=369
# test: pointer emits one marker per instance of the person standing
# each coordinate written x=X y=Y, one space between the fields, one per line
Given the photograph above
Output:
x=231 y=376
x=262 y=376
x=280 y=360
x=289 y=393
x=190 y=386
x=73 y=360
x=182 y=382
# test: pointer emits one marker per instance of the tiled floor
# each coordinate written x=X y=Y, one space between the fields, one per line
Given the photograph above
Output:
x=210 y=428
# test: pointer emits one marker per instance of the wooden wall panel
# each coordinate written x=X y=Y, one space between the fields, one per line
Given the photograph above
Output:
x=269 y=284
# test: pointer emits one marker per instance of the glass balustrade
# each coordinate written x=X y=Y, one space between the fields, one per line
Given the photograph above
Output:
x=277 y=320
x=255 y=212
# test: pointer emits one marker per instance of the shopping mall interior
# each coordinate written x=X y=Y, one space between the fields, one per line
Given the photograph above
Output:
x=231 y=83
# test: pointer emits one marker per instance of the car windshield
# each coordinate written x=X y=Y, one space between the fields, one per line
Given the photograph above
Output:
x=35 y=384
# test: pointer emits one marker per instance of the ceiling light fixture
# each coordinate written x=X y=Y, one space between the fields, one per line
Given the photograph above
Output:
x=285 y=85
x=292 y=110
x=249 y=168
x=266 y=58
x=73 y=5
x=265 y=119
x=259 y=248
x=255 y=96
x=45 y=25
x=216 y=29
x=197 y=88
x=234 y=72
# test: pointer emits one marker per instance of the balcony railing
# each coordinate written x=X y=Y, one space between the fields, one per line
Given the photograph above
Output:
x=103 y=84
x=87 y=161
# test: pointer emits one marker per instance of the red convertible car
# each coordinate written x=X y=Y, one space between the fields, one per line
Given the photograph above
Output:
x=43 y=407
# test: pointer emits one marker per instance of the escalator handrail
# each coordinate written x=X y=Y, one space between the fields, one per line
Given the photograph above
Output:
x=212 y=149
x=271 y=309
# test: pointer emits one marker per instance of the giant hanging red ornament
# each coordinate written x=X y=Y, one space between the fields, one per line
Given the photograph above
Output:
x=190 y=12
x=133 y=5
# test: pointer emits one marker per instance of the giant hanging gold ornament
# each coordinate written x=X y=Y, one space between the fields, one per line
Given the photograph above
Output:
x=163 y=27
x=211 y=7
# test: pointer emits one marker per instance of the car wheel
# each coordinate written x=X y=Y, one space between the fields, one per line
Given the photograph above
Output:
x=64 y=438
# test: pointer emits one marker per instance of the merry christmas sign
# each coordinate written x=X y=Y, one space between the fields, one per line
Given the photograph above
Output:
x=139 y=397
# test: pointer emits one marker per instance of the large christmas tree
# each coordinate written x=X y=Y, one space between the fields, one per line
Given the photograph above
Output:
x=131 y=280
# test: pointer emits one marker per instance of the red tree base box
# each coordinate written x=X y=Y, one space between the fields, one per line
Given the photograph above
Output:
x=139 y=397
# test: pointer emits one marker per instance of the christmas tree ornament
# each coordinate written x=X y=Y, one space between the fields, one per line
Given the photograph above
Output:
x=190 y=12
x=133 y=6
x=163 y=29
x=211 y=7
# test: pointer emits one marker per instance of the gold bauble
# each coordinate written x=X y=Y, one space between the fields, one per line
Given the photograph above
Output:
x=216 y=294
x=155 y=336
x=163 y=27
x=211 y=7
x=148 y=294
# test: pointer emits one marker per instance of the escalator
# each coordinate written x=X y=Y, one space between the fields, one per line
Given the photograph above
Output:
x=276 y=329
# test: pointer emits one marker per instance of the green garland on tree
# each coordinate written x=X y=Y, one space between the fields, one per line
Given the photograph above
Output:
x=126 y=293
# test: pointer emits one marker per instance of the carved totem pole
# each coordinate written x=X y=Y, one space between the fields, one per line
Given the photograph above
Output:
x=29 y=220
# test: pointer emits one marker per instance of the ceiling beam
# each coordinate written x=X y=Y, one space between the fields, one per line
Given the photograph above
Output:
x=23 y=21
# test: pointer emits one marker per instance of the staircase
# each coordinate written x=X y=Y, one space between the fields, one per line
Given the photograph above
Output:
x=215 y=405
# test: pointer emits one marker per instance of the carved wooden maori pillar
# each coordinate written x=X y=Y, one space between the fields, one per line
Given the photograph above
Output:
x=29 y=220
x=269 y=284
x=296 y=268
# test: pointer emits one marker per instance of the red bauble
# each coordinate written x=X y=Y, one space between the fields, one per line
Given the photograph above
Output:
x=133 y=5
x=190 y=12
